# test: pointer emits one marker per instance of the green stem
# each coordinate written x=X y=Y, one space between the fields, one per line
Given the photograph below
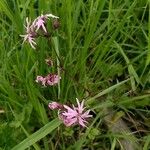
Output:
x=56 y=43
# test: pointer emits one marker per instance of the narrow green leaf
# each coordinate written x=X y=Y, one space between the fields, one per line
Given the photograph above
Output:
x=148 y=55
x=113 y=144
x=131 y=70
x=147 y=143
x=107 y=90
x=56 y=45
x=41 y=133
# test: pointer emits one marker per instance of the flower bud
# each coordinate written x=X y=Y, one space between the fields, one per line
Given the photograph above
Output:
x=56 y=24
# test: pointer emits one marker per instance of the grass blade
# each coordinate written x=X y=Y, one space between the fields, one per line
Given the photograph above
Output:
x=107 y=90
x=42 y=132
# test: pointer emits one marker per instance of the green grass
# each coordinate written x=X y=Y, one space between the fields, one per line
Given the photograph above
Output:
x=101 y=51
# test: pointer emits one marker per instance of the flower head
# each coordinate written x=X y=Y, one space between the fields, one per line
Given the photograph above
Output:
x=29 y=37
x=75 y=115
x=55 y=105
x=40 y=79
x=30 y=34
x=29 y=26
x=39 y=22
x=50 y=79
x=32 y=28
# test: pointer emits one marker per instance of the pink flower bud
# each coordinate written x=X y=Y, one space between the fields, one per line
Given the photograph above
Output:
x=55 y=105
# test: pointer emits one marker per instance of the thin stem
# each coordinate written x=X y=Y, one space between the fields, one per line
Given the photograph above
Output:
x=56 y=43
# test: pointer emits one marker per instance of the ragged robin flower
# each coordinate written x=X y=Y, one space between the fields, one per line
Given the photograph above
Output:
x=72 y=115
x=75 y=115
x=30 y=34
x=33 y=27
x=40 y=22
x=50 y=79
x=55 y=105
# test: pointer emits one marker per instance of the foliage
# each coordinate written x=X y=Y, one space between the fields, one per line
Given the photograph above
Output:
x=104 y=56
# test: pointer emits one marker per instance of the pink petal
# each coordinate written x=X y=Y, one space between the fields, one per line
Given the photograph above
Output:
x=86 y=114
x=69 y=122
x=81 y=122
x=44 y=28
x=80 y=106
x=68 y=108
x=51 y=15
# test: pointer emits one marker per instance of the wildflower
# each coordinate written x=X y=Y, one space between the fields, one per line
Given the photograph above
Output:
x=50 y=79
x=28 y=37
x=55 y=105
x=75 y=115
x=33 y=27
x=30 y=34
x=40 y=79
x=29 y=26
x=41 y=21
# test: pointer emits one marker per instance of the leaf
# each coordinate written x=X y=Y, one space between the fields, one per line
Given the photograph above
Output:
x=41 y=133
x=106 y=91
x=147 y=143
x=131 y=70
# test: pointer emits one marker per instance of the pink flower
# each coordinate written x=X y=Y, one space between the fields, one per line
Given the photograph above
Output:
x=28 y=37
x=41 y=21
x=50 y=79
x=33 y=27
x=55 y=105
x=40 y=79
x=75 y=115
x=29 y=26
x=30 y=34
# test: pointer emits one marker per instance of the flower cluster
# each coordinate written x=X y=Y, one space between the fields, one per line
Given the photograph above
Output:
x=72 y=115
x=33 y=27
x=69 y=115
x=50 y=79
